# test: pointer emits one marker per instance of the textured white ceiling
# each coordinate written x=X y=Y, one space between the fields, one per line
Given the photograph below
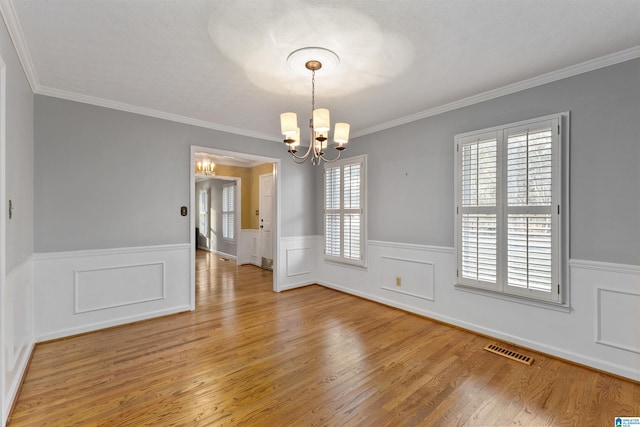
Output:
x=222 y=63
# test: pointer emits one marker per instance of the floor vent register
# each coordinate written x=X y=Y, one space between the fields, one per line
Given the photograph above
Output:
x=509 y=354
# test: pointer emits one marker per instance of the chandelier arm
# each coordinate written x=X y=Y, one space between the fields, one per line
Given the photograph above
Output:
x=331 y=160
x=304 y=157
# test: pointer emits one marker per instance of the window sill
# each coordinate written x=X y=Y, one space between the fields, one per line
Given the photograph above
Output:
x=563 y=308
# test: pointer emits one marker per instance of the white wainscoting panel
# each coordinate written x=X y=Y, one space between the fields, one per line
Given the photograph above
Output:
x=82 y=291
x=18 y=334
x=410 y=277
x=249 y=250
x=105 y=288
x=618 y=322
x=596 y=290
x=299 y=254
x=298 y=261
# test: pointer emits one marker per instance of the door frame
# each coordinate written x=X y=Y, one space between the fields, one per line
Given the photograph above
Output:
x=192 y=217
x=3 y=238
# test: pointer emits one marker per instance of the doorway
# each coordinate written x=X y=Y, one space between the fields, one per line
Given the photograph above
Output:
x=265 y=232
x=244 y=242
x=219 y=207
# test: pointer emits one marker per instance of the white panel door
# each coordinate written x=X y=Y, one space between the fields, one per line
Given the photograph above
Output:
x=266 y=220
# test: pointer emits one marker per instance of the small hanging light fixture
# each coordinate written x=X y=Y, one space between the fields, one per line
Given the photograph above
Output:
x=205 y=167
x=320 y=123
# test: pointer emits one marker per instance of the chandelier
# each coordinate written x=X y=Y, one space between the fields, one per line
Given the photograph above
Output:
x=319 y=123
x=205 y=167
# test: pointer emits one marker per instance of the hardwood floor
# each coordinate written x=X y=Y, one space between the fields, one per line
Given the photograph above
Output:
x=311 y=356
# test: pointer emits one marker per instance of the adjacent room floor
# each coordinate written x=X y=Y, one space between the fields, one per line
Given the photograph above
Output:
x=309 y=356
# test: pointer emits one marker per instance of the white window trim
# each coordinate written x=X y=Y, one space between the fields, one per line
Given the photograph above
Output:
x=362 y=159
x=561 y=237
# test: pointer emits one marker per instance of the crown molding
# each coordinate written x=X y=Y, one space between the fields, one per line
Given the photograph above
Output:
x=121 y=106
x=584 y=67
x=17 y=37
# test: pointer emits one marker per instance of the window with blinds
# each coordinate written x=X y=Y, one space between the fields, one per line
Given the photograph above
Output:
x=344 y=210
x=508 y=216
x=228 y=212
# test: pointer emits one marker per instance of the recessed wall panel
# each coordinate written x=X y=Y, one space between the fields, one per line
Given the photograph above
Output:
x=411 y=277
x=298 y=261
x=104 y=288
x=618 y=319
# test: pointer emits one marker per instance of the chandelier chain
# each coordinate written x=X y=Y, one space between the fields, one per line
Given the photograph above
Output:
x=313 y=91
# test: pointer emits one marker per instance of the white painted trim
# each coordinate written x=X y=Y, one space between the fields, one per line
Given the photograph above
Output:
x=516 y=299
x=598 y=331
x=4 y=399
x=76 y=286
x=400 y=290
x=302 y=239
x=57 y=312
x=573 y=70
x=298 y=273
x=149 y=112
x=605 y=266
x=414 y=247
x=107 y=324
x=222 y=254
x=17 y=37
x=14 y=387
x=16 y=350
x=45 y=256
x=9 y=314
x=296 y=285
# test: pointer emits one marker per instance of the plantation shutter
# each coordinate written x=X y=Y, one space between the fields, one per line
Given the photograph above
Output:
x=508 y=192
x=228 y=212
x=332 y=211
x=352 y=213
x=344 y=213
x=478 y=205
x=530 y=240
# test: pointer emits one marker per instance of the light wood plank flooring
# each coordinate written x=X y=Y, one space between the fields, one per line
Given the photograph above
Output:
x=306 y=357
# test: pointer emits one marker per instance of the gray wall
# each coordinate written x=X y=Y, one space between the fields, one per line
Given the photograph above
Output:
x=411 y=167
x=110 y=179
x=19 y=156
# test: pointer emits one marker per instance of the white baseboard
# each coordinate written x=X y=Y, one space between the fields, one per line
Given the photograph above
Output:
x=222 y=254
x=600 y=364
x=89 y=327
x=602 y=319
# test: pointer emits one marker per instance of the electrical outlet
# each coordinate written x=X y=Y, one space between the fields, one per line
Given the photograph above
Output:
x=398 y=281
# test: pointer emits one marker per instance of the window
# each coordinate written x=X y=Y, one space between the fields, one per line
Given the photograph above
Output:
x=344 y=210
x=229 y=212
x=203 y=210
x=508 y=209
